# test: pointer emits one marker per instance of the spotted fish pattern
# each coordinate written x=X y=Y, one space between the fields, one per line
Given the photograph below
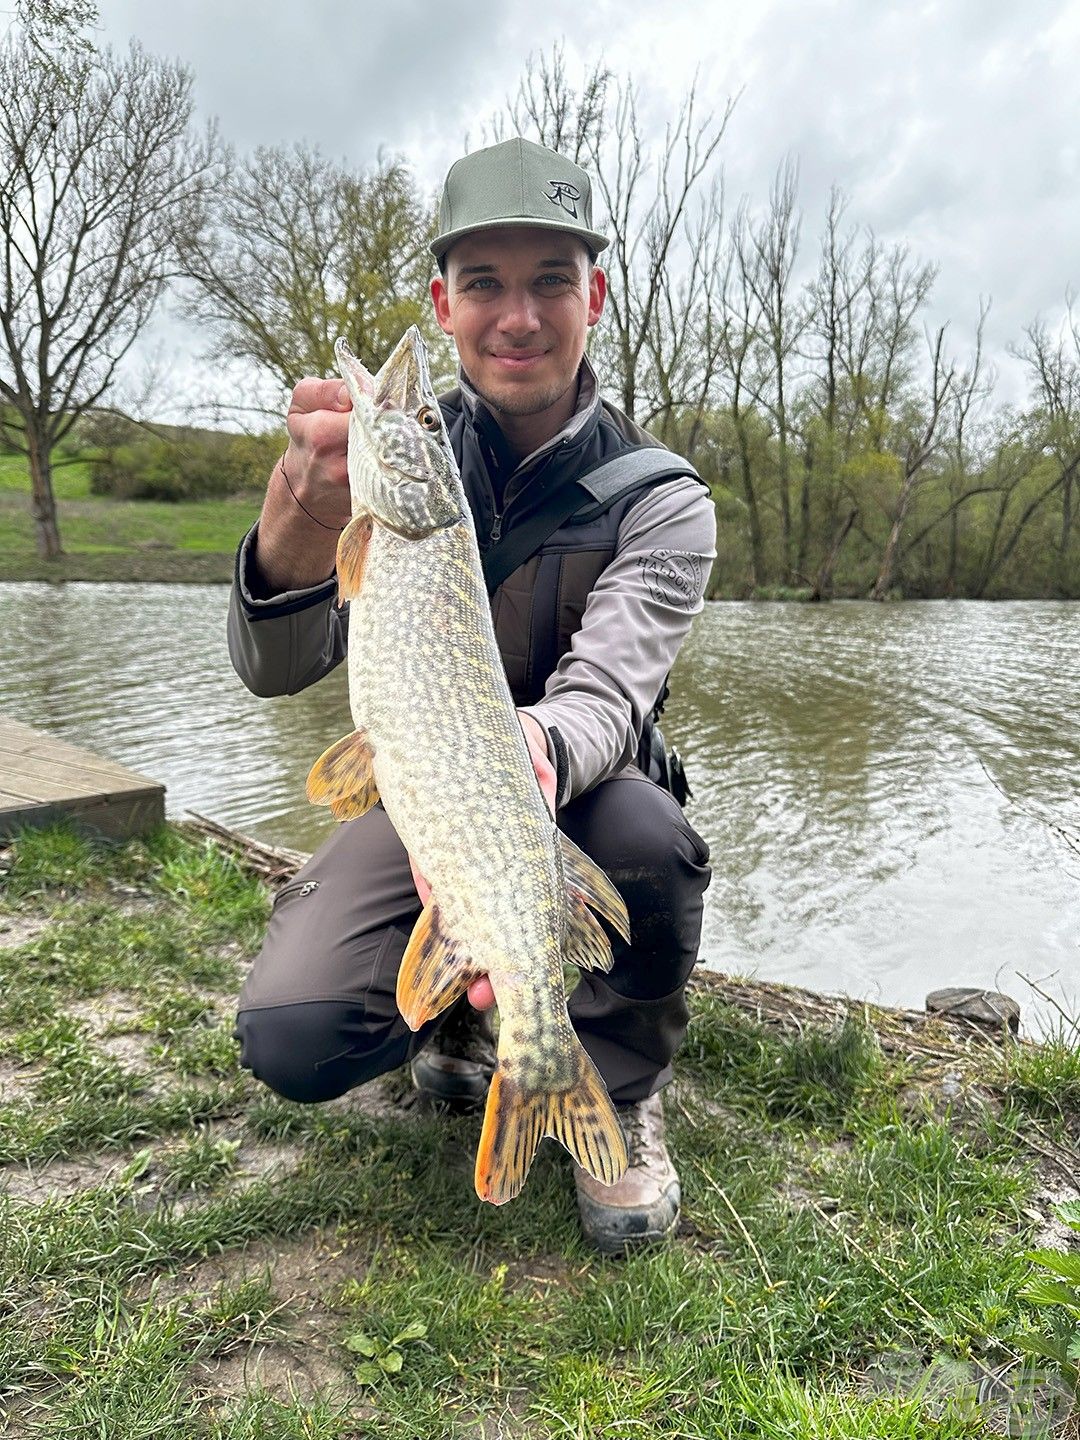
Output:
x=438 y=740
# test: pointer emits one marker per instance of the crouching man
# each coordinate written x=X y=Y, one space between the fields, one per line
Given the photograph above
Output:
x=596 y=544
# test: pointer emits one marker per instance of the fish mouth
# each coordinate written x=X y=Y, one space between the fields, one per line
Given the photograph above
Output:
x=358 y=380
x=403 y=383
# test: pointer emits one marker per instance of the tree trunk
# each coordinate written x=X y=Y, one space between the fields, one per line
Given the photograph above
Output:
x=804 y=509
x=785 y=497
x=954 y=552
x=42 y=500
x=883 y=583
x=757 y=549
x=823 y=584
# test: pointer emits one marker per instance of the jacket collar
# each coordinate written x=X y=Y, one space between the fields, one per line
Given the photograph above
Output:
x=586 y=412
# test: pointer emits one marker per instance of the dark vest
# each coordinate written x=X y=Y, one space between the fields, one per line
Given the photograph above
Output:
x=608 y=466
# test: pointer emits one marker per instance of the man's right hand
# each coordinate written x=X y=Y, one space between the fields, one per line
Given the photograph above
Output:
x=294 y=550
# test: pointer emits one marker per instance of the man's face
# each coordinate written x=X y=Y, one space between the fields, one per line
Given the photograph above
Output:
x=519 y=303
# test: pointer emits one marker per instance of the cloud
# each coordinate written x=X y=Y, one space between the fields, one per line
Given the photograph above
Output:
x=950 y=124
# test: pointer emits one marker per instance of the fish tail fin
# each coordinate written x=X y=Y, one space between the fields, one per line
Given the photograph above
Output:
x=581 y=1117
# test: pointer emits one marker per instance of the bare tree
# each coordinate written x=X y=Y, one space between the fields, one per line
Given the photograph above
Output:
x=56 y=25
x=645 y=198
x=1054 y=362
x=559 y=114
x=918 y=451
x=783 y=319
x=303 y=250
x=102 y=177
x=740 y=337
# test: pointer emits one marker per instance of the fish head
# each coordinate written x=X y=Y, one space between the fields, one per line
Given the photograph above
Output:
x=402 y=470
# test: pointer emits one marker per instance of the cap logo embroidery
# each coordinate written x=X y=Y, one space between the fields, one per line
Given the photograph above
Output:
x=565 y=195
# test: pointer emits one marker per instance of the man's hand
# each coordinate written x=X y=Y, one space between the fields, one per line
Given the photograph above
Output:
x=293 y=550
x=480 y=992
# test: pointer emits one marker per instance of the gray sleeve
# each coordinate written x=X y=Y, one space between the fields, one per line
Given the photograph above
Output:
x=283 y=643
x=637 y=616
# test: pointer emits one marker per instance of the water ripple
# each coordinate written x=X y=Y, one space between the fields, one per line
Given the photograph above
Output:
x=875 y=782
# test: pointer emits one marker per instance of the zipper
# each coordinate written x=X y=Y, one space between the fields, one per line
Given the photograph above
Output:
x=496 y=529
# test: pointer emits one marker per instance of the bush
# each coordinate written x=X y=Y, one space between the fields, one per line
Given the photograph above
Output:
x=188 y=465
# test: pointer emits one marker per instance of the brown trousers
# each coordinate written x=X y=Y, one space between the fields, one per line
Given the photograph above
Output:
x=317 y=1015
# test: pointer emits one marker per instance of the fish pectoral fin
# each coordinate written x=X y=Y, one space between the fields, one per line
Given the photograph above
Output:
x=582 y=1118
x=433 y=974
x=586 y=945
x=352 y=548
x=343 y=777
x=584 y=878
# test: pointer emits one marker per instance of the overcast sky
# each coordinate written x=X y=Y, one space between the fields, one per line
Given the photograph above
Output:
x=953 y=125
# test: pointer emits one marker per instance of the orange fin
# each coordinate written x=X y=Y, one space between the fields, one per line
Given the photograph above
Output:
x=586 y=945
x=585 y=878
x=432 y=974
x=344 y=779
x=581 y=1118
x=352 y=557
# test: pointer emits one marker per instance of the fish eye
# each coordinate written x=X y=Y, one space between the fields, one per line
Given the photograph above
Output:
x=429 y=418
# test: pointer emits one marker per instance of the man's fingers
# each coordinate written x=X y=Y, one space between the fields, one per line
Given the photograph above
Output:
x=423 y=889
x=481 y=995
x=310 y=395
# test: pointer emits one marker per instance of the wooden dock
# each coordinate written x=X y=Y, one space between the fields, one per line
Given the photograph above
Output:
x=43 y=779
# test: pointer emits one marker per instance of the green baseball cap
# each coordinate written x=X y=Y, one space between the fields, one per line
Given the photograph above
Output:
x=515 y=183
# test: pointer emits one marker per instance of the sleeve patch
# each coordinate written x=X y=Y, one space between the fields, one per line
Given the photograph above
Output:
x=672 y=577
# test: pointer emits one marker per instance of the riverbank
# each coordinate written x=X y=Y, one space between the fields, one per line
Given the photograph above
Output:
x=126 y=540
x=188 y=1256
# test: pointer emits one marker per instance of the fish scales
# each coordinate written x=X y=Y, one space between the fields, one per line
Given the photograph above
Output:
x=438 y=739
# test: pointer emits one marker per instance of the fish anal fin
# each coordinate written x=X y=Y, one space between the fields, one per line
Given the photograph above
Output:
x=432 y=974
x=343 y=777
x=586 y=944
x=352 y=551
x=582 y=1118
x=585 y=879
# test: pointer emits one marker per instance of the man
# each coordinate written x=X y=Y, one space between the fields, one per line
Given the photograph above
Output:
x=596 y=545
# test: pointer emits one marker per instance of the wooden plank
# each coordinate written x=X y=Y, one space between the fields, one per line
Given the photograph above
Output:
x=22 y=740
x=70 y=756
x=43 y=779
x=37 y=779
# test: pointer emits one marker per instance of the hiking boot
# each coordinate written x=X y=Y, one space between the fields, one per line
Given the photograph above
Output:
x=642 y=1207
x=457 y=1063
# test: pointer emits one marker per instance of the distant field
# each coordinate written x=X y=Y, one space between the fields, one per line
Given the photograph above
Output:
x=108 y=539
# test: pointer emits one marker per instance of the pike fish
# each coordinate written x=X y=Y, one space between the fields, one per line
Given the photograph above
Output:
x=438 y=740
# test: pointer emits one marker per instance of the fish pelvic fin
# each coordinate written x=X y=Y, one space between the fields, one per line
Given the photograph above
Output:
x=432 y=974
x=343 y=777
x=582 y=1119
x=585 y=879
x=352 y=548
x=585 y=944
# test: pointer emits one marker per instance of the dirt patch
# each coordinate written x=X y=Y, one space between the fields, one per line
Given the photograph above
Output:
x=1052 y=1233
x=285 y=1372
x=58 y=1178
x=107 y=1019
x=16 y=930
x=16 y=1082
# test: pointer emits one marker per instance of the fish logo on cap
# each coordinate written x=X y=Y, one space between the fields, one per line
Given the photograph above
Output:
x=565 y=195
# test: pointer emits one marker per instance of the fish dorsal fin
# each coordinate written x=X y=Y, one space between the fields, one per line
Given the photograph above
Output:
x=343 y=777
x=585 y=879
x=433 y=973
x=352 y=549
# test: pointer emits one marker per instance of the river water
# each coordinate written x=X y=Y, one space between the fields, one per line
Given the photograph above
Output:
x=884 y=788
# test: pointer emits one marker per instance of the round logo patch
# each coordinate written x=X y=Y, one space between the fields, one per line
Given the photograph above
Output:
x=672 y=577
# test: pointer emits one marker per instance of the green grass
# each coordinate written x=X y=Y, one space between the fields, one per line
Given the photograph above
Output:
x=119 y=539
x=834 y=1217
